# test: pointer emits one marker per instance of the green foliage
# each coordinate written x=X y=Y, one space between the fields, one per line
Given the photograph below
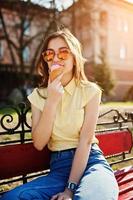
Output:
x=129 y=94
x=119 y=104
x=103 y=75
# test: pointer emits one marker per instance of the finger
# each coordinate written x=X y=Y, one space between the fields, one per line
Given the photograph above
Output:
x=49 y=81
x=59 y=84
x=54 y=197
x=61 y=197
x=58 y=78
x=61 y=89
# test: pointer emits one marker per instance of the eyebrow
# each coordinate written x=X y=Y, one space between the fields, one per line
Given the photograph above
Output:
x=59 y=48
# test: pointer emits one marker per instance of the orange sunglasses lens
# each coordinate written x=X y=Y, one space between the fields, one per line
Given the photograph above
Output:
x=63 y=54
x=48 y=55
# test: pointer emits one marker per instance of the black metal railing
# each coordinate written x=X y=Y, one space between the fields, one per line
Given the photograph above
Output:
x=16 y=121
x=116 y=121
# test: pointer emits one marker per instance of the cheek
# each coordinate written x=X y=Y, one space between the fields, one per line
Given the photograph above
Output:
x=69 y=64
x=68 y=67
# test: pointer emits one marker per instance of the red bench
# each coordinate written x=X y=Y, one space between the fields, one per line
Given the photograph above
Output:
x=24 y=159
x=116 y=143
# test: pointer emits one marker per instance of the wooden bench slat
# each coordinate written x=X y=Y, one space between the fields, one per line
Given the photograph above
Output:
x=21 y=159
x=126 y=189
x=115 y=142
x=126 y=196
x=125 y=181
x=122 y=172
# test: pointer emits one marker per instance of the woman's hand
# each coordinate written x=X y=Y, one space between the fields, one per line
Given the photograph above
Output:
x=55 y=90
x=66 y=195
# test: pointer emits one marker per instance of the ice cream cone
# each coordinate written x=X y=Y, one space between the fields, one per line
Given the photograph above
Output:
x=55 y=72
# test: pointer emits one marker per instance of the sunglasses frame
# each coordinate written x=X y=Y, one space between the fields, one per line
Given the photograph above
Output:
x=54 y=53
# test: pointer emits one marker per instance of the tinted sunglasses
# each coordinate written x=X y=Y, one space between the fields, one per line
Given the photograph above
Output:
x=49 y=54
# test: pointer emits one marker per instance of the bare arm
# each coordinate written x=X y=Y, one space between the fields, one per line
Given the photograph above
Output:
x=86 y=136
x=42 y=122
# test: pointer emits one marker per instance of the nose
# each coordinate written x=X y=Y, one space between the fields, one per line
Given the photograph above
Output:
x=55 y=59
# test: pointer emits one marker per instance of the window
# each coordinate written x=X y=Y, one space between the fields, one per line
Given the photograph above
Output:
x=103 y=18
x=26 y=54
x=123 y=52
x=26 y=27
x=125 y=26
x=122 y=25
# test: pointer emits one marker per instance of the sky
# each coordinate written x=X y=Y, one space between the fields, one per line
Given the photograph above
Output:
x=130 y=1
x=59 y=3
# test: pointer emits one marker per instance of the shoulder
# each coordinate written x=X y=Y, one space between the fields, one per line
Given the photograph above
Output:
x=88 y=85
x=42 y=92
x=89 y=90
x=38 y=97
x=38 y=93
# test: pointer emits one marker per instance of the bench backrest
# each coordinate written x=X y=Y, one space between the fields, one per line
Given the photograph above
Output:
x=115 y=142
x=21 y=159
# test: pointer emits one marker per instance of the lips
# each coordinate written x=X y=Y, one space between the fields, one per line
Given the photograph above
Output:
x=56 y=66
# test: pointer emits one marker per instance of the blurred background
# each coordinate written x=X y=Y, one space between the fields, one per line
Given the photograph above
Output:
x=104 y=28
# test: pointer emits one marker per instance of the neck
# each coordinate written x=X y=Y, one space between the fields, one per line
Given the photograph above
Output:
x=66 y=79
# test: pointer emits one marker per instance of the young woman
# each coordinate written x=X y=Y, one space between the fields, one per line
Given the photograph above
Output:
x=64 y=117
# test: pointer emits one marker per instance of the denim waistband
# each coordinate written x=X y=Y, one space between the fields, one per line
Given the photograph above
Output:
x=70 y=150
x=68 y=154
x=63 y=151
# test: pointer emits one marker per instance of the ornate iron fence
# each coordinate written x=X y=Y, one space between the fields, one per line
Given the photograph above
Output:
x=15 y=123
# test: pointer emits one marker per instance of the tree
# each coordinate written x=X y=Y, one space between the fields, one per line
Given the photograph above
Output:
x=129 y=94
x=23 y=26
x=103 y=76
x=25 y=16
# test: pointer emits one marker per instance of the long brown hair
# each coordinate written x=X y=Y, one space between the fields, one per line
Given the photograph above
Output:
x=75 y=47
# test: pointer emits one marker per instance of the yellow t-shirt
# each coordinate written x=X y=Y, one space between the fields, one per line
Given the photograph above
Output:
x=70 y=113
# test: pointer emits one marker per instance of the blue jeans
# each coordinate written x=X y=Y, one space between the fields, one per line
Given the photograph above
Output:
x=97 y=183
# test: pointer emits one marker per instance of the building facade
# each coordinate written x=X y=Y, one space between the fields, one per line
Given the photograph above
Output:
x=108 y=26
x=116 y=37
